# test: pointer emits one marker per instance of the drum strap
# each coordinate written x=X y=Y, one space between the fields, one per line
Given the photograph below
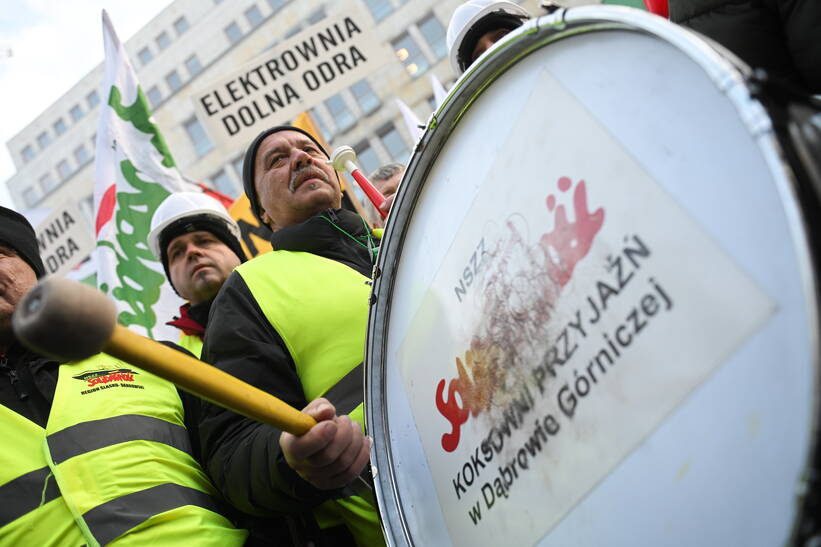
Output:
x=349 y=391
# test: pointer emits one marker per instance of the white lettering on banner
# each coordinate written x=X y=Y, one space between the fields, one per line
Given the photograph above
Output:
x=64 y=239
x=291 y=78
x=550 y=343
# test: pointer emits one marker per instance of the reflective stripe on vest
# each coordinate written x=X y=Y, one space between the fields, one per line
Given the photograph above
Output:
x=94 y=434
x=319 y=307
x=121 y=456
x=110 y=520
x=192 y=343
x=32 y=511
x=26 y=493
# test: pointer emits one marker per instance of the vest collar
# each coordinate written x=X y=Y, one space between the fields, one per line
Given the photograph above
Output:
x=317 y=236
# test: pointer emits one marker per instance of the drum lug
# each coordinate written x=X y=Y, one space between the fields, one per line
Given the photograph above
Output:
x=376 y=272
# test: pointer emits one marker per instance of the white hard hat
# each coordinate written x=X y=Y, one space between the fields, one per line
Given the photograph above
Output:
x=181 y=205
x=467 y=17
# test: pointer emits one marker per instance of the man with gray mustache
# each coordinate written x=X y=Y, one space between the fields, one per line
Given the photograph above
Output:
x=292 y=322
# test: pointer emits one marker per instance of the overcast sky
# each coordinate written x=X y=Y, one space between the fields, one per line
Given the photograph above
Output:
x=53 y=44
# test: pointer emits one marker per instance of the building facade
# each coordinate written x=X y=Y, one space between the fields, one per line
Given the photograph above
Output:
x=194 y=42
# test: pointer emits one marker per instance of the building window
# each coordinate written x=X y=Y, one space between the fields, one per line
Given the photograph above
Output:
x=60 y=126
x=30 y=196
x=154 y=96
x=163 y=40
x=394 y=143
x=237 y=165
x=316 y=16
x=276 y=4
x=434 y=34
x=294 y=30
x=47 y=183
x=173 y=80
x=76 y=113
x=233 y=32
x=43 y=140
x=81 y=154
x=199 y=138
x=27 y=153
x=365 y=96
x=64 y=169
x=222 y=183
x=366 y=157
x=145 y=56
x=379 y=8
x=92 y=99
x=87 y=207
x=253 y=16
x=320 y=124
x=192 y=64
x=181 y=25
x=411 y=56
x=341 y=114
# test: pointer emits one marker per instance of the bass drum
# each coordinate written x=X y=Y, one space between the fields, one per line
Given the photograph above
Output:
x=594 y=318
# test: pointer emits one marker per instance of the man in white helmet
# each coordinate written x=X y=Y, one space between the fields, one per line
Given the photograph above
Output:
x=198 y=244
x=478 y=24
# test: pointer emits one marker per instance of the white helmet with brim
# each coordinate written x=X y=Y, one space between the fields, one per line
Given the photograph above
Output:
x=471 y=20
x=183 y=205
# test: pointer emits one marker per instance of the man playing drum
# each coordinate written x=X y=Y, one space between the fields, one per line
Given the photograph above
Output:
x=292 y=322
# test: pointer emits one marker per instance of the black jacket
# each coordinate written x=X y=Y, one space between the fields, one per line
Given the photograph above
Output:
x=780 y=36
x=27 y=383
x=241 y=455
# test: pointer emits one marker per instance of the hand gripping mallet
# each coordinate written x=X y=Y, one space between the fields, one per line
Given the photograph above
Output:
x=69 y=321
x=344 y=159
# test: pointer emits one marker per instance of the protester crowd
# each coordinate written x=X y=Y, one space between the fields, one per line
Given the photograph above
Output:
x=159 y=466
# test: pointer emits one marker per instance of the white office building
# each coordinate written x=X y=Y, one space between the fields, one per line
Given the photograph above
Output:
x=194 y=42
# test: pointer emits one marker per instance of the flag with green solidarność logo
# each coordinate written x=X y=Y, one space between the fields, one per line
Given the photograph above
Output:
x=134 y=173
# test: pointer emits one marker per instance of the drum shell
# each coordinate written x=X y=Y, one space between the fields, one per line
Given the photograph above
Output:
x=408 y=499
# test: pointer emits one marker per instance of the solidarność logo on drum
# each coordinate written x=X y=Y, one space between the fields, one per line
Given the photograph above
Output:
x=562 y=249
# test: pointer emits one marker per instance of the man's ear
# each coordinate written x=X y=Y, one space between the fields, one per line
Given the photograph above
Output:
x=268 y=221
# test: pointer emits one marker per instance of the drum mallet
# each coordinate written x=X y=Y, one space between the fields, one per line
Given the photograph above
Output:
x=69 y=321
x=344 y=159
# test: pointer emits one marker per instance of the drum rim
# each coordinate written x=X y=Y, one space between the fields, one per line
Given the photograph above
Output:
x=721 y=66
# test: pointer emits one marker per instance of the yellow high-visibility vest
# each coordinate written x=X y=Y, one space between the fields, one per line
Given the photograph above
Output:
x=319 y=307
x=192 y=343
x=113 y=465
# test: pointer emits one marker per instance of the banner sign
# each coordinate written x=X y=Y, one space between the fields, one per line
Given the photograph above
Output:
x=291 y=78
x=64 y=239
x=551 y=343
x=134 y=173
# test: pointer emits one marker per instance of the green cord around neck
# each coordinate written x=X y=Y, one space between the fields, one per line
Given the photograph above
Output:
x=371 y=246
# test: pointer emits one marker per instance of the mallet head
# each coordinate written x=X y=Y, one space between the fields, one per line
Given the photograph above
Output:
x=341 y=158
x=64 y=320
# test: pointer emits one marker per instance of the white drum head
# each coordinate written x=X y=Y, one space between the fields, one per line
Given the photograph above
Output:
x=594 y=319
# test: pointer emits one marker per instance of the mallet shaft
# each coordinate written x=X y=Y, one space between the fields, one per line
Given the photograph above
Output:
x=206 y=381
x=367 y=186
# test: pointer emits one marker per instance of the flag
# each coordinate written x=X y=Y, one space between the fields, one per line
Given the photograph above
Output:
x=134 y=173
x=439 y=92
x=413 y=123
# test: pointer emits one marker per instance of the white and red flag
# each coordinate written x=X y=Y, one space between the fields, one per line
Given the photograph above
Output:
x=134 y=173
